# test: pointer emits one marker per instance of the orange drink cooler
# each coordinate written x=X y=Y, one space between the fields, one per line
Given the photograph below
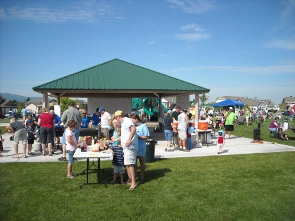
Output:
x=175 y=124
x=203 y=125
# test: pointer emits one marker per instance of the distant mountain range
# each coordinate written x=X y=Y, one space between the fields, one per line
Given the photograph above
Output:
x=18 y=98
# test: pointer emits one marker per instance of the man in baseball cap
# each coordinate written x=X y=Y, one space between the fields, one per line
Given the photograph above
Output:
x=129 y=141
x=229 y=122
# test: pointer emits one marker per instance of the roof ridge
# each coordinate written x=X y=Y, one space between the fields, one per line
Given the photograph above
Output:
x=159 y=73
x=77 y=72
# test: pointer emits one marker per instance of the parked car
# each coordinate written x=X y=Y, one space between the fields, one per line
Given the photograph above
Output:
x=16 y=115
x=7 y=115
x=286 y=113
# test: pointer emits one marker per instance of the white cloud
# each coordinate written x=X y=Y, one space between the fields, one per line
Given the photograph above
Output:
x=93 y=12
x=282 y=44
x=195 y=33
x=193 y=6
x=193 y=36
x=289 y=10
x=192 y=27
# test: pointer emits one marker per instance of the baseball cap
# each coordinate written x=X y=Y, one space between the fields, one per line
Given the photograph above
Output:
x=101 y=109
x=230 y=108
x=71 y=104
x=29 y=121
x=119 y=113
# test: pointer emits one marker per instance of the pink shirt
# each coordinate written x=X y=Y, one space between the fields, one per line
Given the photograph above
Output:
x=70 y=133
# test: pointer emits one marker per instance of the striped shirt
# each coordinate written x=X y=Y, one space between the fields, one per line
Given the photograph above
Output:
x=118 y=158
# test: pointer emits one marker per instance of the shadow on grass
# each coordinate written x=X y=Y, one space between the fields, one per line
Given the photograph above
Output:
x=107 y=175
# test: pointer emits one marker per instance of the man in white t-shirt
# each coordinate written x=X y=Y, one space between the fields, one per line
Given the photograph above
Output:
x=182 y=128
x=105 y=122
x=129 y=142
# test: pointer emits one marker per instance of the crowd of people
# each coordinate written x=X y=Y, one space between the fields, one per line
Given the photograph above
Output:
x=126 y=133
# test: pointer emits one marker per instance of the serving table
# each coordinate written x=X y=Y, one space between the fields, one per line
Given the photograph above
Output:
x=93 y=155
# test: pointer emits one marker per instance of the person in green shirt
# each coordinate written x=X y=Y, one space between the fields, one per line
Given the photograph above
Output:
x=229 y=122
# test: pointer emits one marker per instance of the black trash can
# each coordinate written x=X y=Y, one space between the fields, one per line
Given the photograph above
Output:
x=150 y=150
x=256 y=134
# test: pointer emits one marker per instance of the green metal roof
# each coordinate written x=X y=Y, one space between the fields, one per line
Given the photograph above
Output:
x=117 y=76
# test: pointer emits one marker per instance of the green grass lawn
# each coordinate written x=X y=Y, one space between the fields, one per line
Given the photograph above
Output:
x=247 y=131
x=239 y=187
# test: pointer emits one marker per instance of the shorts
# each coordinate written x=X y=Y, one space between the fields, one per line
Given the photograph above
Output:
x=168 y=135
x=273 y=129
x=1 y=146
x=30 y=141
x=130 y=156
x=21 y=135
x=182 y=134
x=220 y=146
x=46 y=135
x=229 y=128
x=119 y=169
x=247 y=119
x=141 y=152
x=71 y=156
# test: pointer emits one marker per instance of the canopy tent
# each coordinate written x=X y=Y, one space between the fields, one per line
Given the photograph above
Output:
x=229 y=103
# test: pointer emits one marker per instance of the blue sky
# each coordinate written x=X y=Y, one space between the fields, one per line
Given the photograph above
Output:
x=234 y=48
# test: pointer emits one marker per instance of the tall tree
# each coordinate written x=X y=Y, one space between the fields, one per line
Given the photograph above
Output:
x=204 y=98
x=64 y=103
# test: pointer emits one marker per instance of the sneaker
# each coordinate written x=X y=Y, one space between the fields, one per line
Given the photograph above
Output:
x=171 y=150
x=166 y=150
x=62 y=159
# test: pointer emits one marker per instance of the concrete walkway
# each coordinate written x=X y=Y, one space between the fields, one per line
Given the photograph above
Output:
x=235 y=145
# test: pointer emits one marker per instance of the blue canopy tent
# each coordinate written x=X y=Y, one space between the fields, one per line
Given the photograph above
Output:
x=229 y=103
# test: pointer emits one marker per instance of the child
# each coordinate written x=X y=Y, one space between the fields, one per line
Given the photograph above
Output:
x=189 y=132
x=1 y=144
x=285 y=129
x=118 y=159
x=31 y=135
x=116 y=136
x=220 y=142
x=71 y=145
